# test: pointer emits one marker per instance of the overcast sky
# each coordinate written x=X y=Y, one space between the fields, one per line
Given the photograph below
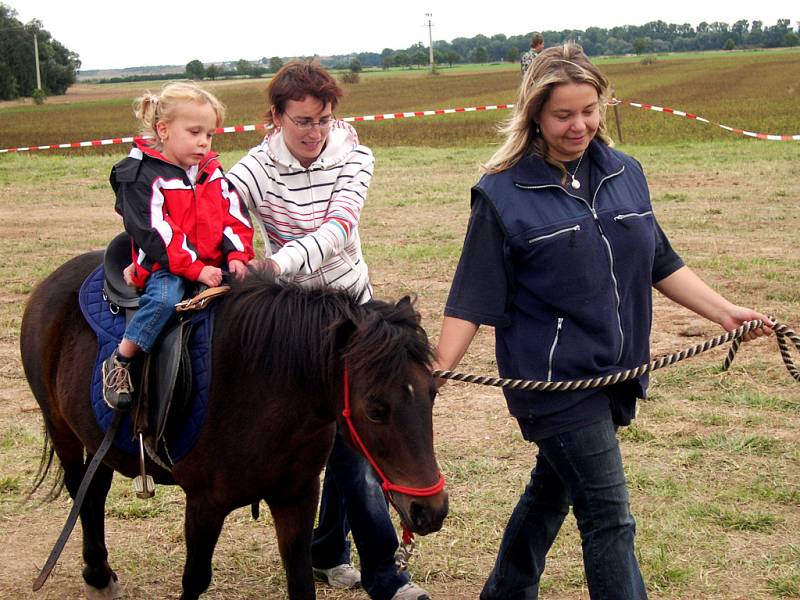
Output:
x=108 y=34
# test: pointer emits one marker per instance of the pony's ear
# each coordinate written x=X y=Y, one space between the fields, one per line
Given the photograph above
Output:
x=342 y=332
x=406 y=304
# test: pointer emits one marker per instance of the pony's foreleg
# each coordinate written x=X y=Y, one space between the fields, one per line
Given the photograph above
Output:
x=202 y=528
x=294 y=525
x=101 y=581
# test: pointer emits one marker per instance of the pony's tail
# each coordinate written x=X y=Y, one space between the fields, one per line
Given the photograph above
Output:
x=45 y=462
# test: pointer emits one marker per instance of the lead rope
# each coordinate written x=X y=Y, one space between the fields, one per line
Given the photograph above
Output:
x=782 y=333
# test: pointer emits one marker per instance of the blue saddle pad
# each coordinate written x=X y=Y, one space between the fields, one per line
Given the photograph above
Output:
x=110 y=327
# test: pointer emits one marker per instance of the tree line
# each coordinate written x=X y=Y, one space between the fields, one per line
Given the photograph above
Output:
x=653 y=37
x=57 y=65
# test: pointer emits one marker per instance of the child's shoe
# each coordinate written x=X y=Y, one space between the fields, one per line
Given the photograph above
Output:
x=117 y=384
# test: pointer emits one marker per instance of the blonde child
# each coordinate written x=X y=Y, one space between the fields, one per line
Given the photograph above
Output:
x=184 y=219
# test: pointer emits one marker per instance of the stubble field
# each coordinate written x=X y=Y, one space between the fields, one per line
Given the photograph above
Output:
x=713 y=459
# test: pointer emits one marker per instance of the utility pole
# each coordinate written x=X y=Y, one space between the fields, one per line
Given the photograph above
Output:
x=36 y=56
x=430 y=37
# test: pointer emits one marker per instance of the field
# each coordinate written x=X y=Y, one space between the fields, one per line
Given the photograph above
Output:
x=713 y=459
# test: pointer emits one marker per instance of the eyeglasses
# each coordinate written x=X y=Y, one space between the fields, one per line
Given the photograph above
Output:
x=324 y=123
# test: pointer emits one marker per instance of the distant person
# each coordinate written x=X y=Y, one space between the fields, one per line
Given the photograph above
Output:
x=185 y=221
x=537 y=45
x=561 y=253
x=308 y=181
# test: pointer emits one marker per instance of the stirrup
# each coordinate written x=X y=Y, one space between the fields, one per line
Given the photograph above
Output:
x=143 y=483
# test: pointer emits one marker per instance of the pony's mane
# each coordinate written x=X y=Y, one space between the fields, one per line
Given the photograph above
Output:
x=387 y=336
x=288 y=332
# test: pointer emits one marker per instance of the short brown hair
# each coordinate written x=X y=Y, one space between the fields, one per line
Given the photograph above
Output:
x=297 y=80
x=536 y=40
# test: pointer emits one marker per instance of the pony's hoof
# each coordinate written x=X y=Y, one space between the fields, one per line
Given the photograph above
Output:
x=112 y=591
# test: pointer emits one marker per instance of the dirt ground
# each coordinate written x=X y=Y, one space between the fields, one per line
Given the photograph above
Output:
x=479 y=445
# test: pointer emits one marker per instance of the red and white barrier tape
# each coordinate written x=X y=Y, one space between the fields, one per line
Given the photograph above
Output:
x=680 y=113
x=243 y=128
x=408 y=115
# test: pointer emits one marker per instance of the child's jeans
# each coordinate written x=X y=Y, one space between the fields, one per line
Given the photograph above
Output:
x=162 y=292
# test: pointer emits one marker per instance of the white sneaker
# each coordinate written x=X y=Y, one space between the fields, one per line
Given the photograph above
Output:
x=411 y=591
x=343 y=577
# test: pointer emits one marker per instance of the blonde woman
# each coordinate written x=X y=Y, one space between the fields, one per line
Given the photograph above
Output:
x=561 y=254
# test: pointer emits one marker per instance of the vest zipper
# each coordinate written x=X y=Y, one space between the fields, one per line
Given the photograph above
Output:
x=553 y=349
x=617 y=297
x=619 y=218
x=555 y=233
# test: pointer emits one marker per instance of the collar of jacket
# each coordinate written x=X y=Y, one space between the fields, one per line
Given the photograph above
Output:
x=342 y=140
x=533 y=171
x=208 y=160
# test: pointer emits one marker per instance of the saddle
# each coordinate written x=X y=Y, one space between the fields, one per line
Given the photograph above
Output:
x=163 y=379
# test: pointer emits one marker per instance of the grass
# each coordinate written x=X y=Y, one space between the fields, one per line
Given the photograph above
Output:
x=712 y=459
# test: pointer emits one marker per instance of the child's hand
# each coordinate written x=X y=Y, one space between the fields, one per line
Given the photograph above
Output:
x=237 y=269
x=127 y=273
x=211 y=276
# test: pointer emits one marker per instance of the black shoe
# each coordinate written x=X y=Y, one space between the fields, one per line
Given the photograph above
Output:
x=117 y=384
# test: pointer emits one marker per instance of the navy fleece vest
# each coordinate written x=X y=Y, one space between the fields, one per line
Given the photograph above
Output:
x=580 y=301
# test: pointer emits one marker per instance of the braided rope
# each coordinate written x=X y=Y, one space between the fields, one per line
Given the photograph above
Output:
x=781 y=331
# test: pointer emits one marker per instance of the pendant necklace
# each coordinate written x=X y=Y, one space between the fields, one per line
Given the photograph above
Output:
x=575 y=184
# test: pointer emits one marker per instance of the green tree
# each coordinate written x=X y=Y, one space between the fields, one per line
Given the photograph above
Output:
x=729 y=44
x=195 y=69
x=452 y=57
x=512 y=54
x=9 y=88
x=213 y=71
x=479 y=55
x=243 y=67
x=275 y=64
x=401 y=59
x=387 y=62
x=57 y=64
x=640 y=45
x=355 y=66
x=791 y=39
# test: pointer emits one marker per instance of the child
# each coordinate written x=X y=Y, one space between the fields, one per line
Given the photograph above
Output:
x=184 y=219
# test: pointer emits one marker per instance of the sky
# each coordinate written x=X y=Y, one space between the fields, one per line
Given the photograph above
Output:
x=115 y=35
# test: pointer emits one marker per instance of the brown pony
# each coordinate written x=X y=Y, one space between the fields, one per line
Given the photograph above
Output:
x=276 y=395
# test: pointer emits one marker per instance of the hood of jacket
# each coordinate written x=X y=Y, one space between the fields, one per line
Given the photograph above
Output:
x=342 y=140
x=204 y=164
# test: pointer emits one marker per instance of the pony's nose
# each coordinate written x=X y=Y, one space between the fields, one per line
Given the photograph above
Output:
x=427 y=517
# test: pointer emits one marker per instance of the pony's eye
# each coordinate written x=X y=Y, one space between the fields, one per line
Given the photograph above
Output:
x=378 y=412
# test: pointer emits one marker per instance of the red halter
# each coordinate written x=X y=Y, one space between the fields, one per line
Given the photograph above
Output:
x=387 y=485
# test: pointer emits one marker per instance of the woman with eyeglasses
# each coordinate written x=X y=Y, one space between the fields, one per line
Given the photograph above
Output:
x=306 y=182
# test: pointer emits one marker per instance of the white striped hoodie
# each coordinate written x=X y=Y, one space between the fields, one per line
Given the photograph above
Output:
x=311 y=214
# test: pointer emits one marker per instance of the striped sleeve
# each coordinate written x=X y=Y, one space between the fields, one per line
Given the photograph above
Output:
x=308 y=253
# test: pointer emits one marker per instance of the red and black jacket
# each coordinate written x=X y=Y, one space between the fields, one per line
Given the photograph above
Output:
x=174 y=224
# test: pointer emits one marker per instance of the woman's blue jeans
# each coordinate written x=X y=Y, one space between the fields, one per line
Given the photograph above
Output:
x=353 y=499
x=582 y=468
x=156 y=307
